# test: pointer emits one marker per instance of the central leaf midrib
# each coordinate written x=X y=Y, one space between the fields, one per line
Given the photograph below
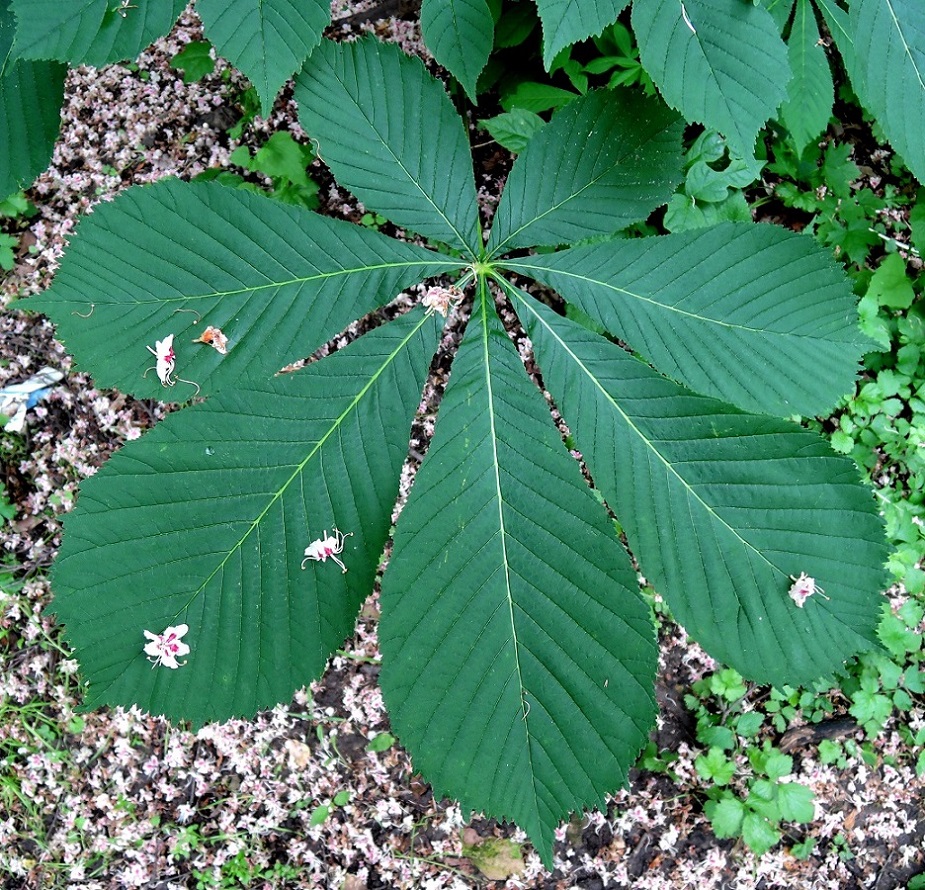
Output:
x=321 y=276
x=300 y=467
x=496 y=470
x=519 y=266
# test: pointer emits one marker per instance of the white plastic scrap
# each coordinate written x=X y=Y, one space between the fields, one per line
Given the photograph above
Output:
x=16 y=399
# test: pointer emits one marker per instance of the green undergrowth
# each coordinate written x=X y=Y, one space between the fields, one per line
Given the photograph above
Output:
x=875 y=224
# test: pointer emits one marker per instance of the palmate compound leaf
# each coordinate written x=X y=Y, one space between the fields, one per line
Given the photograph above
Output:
x=755 y=315
x=719 y=62
x=604 y=161
x=204 y=520
x=575 y=632
x=721 y=508
x=518 y=658
x=268 y=40
x=91 y=32
x=176 y=257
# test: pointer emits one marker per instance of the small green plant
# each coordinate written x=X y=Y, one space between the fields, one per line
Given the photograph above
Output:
x=786 y=703
x=613 y=62
x=820 y=182
x=373 y=220
x=15 y=207
x=240 y=872
x=284 y=161
x=321 y=813
x=726 y=727
x=381 y=742
x=194 y=60
x=714 y=180
x=756 y=818
x=7 y=245
x=513 y=129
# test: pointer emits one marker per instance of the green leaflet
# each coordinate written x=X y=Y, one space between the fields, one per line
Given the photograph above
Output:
x=810 y=93
x=30 y=111
x=204 y=520
x=567 y=21
x=755 y=315
x=721 y=508
x=719 y=62
x=390 y=134
x=780 y=11
x=606 y=160
x=176 y=257
x=887 y=68
x=90 y=32
x=460 y=34
x=518 y=657
x=266 y=40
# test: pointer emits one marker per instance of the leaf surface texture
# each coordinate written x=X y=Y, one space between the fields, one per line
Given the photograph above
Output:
x=390 y=134
x=175 y=257
x=568 y=21
x=754 y=315
x=90 y=32
x=30 y=111
x=204 y=520
x=887 y=69
x=268 y=40
x=719 y=62
x=460 y=34
x=721 y=508
x=604 y=161
x=518 y=657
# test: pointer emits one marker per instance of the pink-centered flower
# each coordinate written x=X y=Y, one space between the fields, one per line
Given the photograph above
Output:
x=439 y=299
x=326 y=548
x=803 y=588
x=166 y=359
x=165 y=648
